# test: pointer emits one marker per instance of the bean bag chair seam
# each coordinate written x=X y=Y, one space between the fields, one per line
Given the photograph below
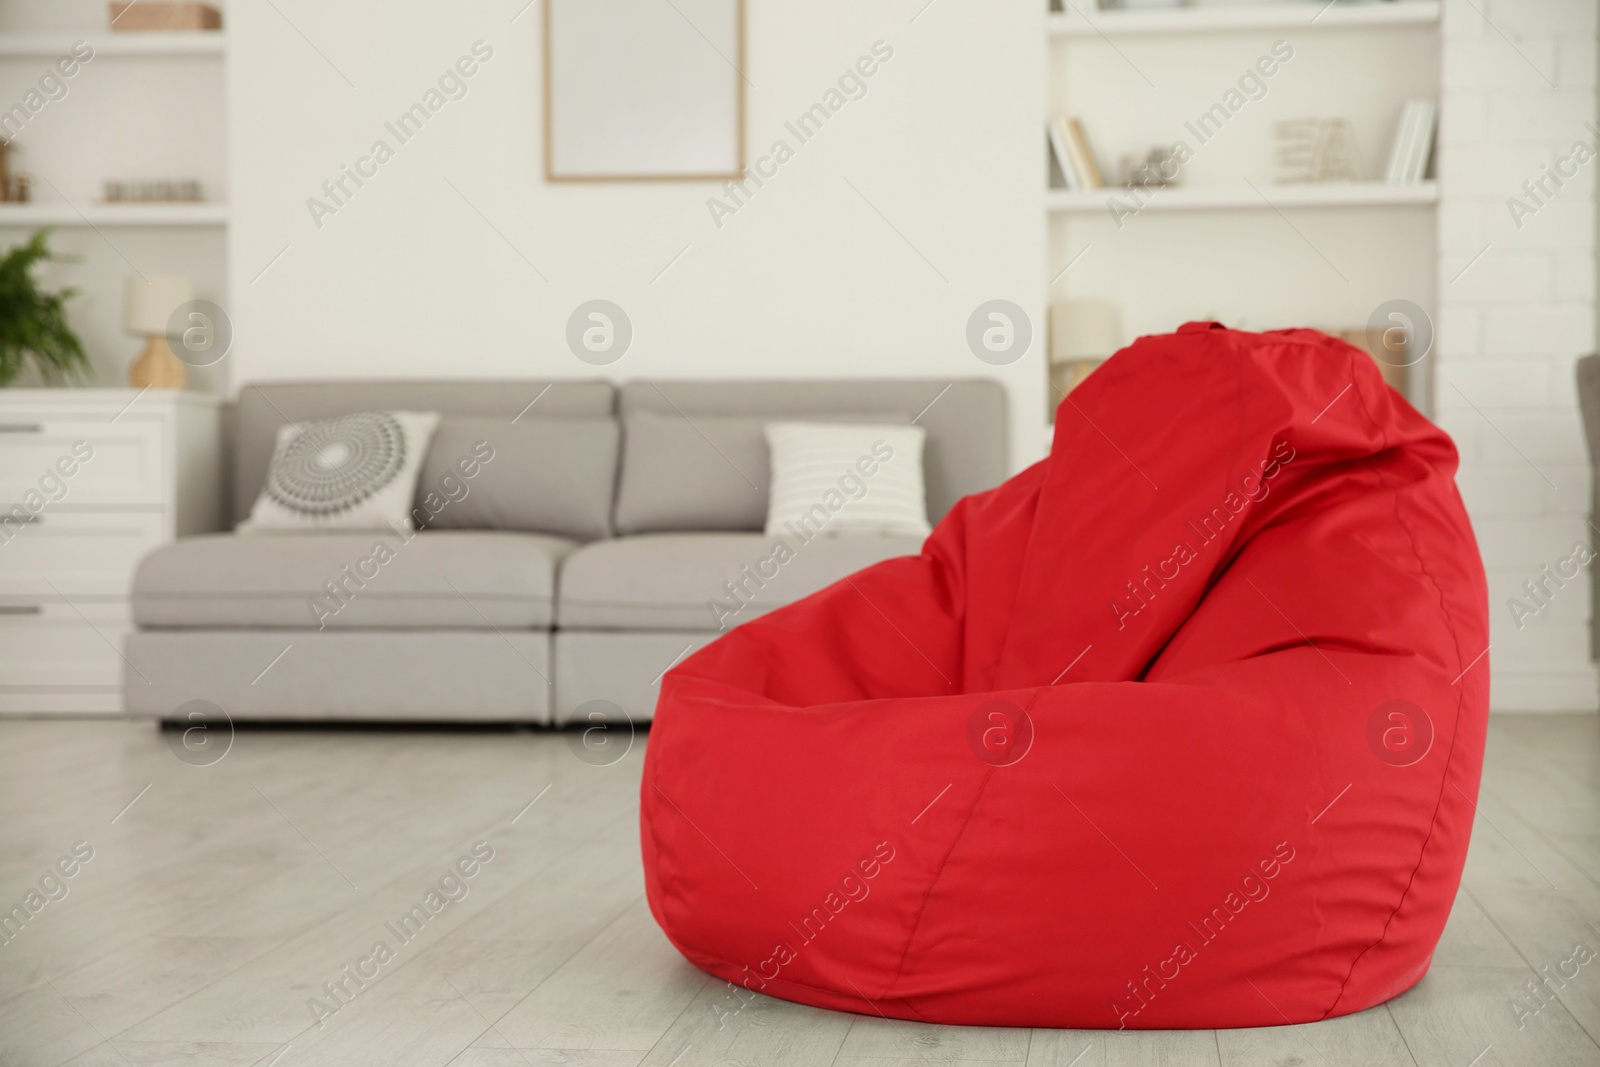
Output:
x=648 y=801
x=709 y=962
x=933 y=884
x=1455 y=733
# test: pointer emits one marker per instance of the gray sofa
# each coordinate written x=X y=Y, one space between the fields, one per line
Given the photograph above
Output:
x=578 y=564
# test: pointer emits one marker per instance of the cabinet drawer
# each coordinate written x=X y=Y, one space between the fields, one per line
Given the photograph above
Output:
x=79 y=552
x=127 y=466
x=48 y=643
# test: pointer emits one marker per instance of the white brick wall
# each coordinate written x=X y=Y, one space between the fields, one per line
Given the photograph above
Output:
x=1518 y=88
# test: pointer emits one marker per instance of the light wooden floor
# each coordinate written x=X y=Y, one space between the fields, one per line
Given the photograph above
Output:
x=225 y=896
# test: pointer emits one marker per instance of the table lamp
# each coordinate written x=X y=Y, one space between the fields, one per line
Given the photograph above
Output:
x=1083 y=335
x=147 y=306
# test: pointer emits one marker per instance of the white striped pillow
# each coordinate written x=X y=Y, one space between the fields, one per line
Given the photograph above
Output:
x=834 y=479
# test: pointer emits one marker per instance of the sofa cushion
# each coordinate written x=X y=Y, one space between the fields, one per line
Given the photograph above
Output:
x=702 y=472
x=705 y=581
x=437 y=580
x=552 y=476
x=966 y=419
x=262 y=407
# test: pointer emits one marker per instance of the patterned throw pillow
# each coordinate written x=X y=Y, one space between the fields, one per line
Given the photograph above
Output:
x=352 y=472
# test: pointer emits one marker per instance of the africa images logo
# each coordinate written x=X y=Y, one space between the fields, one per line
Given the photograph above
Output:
x=1400 y=733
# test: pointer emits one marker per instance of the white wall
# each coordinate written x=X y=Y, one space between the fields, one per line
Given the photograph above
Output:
x=1512 y=323
x=811 y=278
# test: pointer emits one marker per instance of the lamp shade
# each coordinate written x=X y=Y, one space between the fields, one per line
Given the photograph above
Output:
x=148 y=304
x=1083 y=329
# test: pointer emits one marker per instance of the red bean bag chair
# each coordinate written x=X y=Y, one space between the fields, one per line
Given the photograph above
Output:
x=1180 y=727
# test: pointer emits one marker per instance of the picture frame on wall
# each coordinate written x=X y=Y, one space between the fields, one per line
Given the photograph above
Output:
x=639 y=90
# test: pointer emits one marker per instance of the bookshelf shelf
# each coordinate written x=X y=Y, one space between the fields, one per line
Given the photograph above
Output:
x=58 y=214
x=1080 y=21
x=52 y=45
x=1244 y=197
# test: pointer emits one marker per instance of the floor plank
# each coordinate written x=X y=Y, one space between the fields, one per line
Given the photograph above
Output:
x=1124 y=1048
x=885 y=1040
x=188 y=1053
x=1542 y=905
x=723 y=1025
x=40 y=1026
x=624 y=990
x=1456 y=1015
x=1366 y=1037
x=132 y=984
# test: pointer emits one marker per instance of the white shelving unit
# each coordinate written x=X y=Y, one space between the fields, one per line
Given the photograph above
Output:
x=1083 y=20
x=148 y=106
x=1229 y=242
x=50 y=45
x=1245 y=197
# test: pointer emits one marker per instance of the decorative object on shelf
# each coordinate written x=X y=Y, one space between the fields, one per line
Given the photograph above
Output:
x=1073 y=156
x=140 y=15
x=1317 y=150
x=15 y=189
x=1156 y=169
x=1412 y=150
x=1083 y=335
x=33 y=321
x=148 y=306
x=181 y=191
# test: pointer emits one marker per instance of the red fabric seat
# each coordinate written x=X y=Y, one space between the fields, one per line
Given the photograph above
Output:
x=1180 y=727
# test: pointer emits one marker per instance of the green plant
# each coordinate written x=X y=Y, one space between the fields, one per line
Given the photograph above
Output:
x=33 y=322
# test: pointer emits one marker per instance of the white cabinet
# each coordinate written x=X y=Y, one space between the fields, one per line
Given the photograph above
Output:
x=91 y=480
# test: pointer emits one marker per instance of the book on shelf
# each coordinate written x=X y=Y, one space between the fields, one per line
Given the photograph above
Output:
x=1080 y=145
x=1073 y=155
x=1058 y=148
x=1404 y=137
x=1413 y=143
